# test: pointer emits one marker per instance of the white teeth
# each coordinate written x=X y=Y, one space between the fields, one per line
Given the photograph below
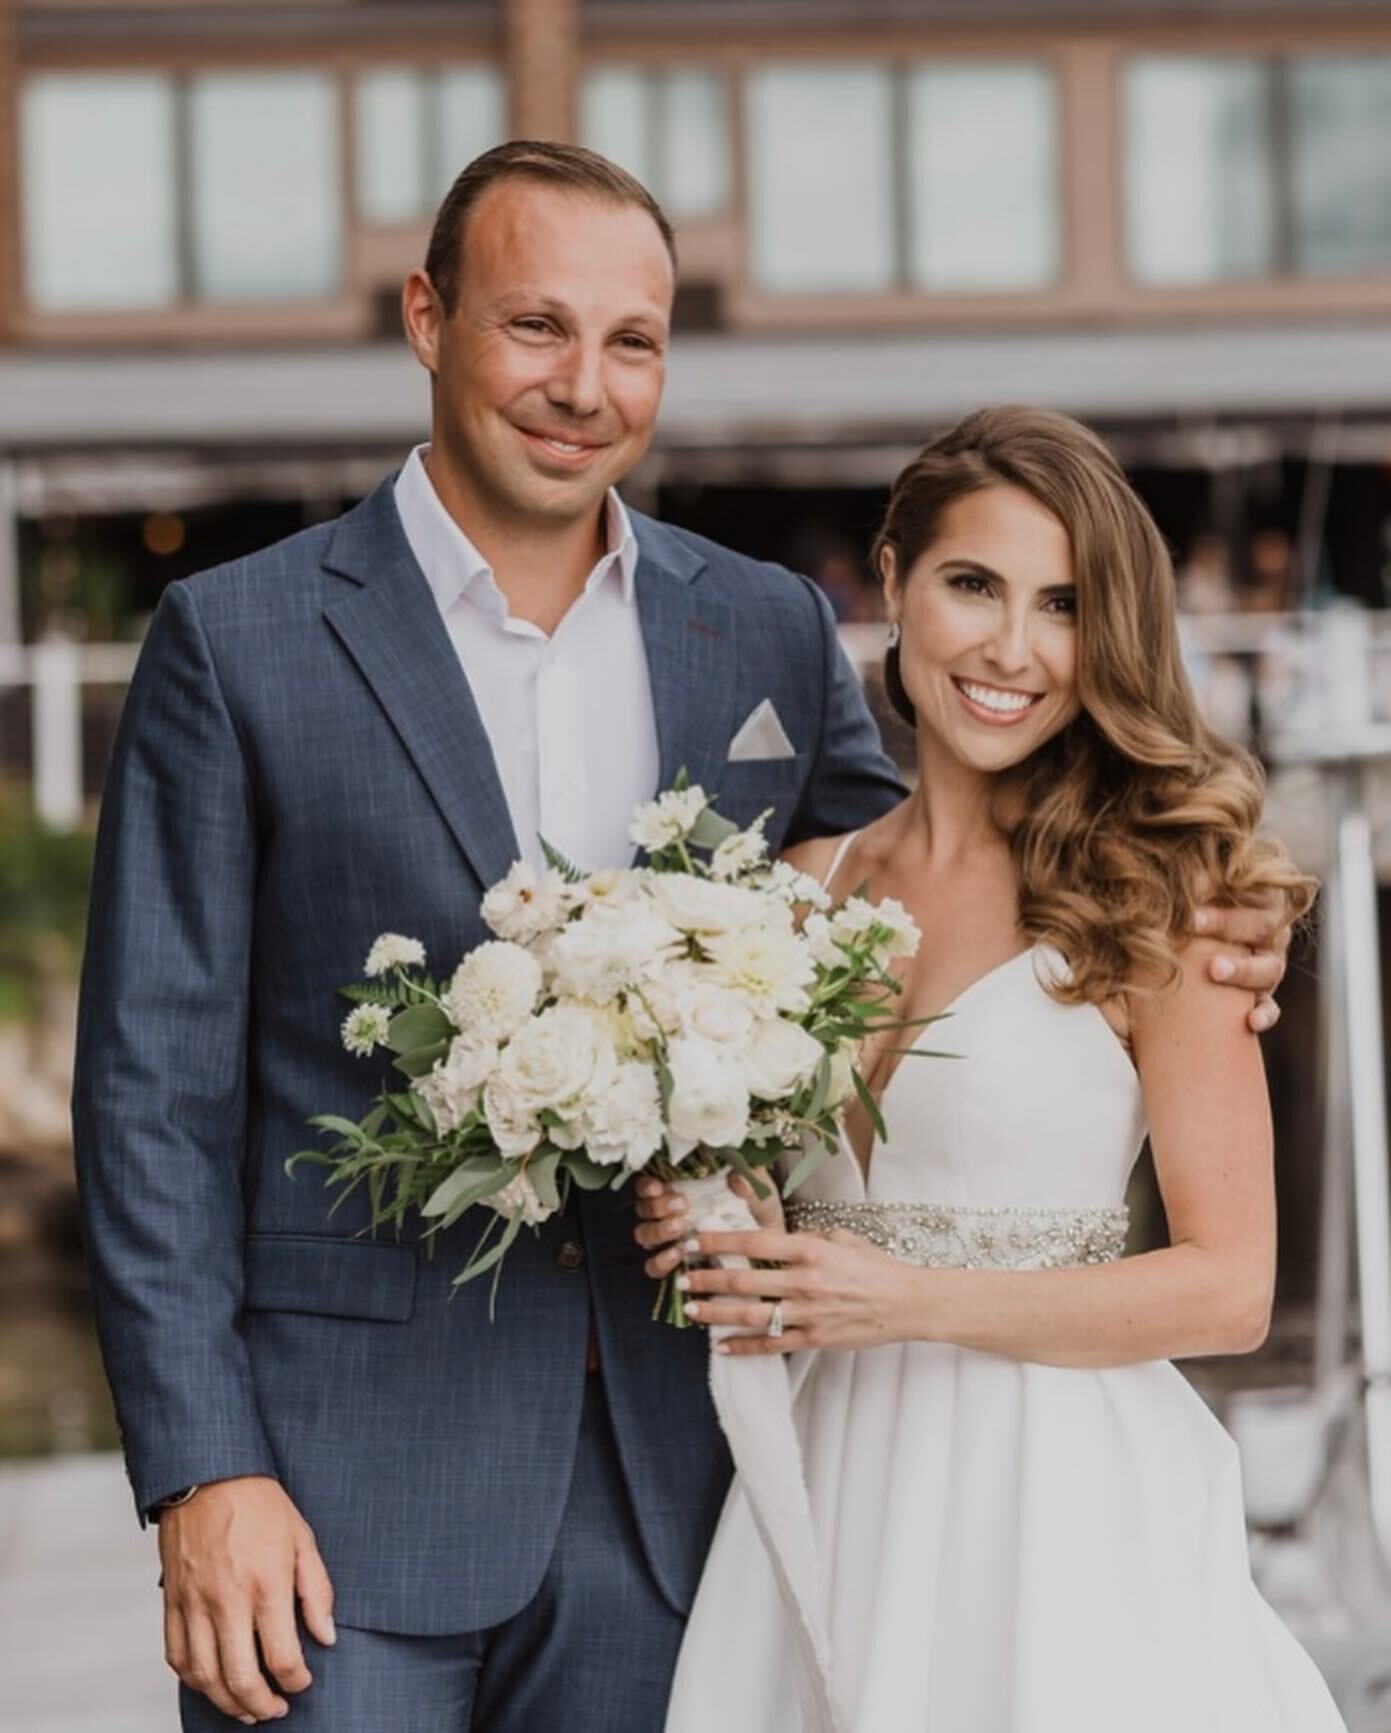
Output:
x=1004 y=703
x=561 y=445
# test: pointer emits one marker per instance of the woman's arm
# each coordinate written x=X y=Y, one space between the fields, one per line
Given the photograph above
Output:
x=1208 y=1292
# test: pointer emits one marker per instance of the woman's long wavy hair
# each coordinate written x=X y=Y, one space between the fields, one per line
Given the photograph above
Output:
x=1136 y=812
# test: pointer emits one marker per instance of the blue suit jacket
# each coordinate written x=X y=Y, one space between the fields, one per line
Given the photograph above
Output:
x=300 y=765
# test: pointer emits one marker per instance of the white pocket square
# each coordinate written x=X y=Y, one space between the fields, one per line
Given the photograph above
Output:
x=762 y=737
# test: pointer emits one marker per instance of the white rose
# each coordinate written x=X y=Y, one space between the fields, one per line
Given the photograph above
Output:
x=365 y=1029
x=518 y=1198
x=609 y=948
x=779 y=1058
x=668 y=819
x=741 y=853
x=452 y=1087
x=771 y=967
x=526 y=903
x=394 y=951
x=709 y=1102
x=622 y=1122
x=714 y=1014
x=697 y=905
x=515 y=1128
x=555 y=1058
x=493 y=991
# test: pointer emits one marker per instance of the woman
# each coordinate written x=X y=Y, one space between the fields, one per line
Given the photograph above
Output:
x=1026 y=1520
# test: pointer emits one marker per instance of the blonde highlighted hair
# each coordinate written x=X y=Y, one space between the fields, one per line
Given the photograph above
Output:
x=1136 y=812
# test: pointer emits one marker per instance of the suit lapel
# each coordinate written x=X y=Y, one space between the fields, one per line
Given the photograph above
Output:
x=391 y=627
x=691 y=658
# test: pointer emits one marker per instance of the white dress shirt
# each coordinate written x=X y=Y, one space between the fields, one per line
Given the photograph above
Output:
x=569 y=716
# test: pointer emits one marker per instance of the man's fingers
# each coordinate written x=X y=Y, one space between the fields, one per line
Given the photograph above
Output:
x=1261 y=972
x=315 y=1590
x=1260 y=928
x=175 y=1639
x=241 y=1668
x=280 y=1645
x=1264 y=1016
x=664 y=1263
x=203 y=1668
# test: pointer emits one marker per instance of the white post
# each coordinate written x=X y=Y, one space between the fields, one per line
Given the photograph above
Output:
x=56 y=664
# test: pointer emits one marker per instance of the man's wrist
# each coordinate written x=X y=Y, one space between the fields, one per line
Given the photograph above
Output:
x=175 y=1500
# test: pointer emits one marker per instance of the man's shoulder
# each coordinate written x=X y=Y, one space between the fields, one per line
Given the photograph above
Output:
x=276 y=571
x=739 y=576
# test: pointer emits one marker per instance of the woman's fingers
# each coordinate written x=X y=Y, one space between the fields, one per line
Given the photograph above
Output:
x=743 y=1315
x=770 y=1283
x=767 y=1243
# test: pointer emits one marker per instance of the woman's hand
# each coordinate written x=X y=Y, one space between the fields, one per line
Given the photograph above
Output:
x=663 y=1223
x=837 y=1291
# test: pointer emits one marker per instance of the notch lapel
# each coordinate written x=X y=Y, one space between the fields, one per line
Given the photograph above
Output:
x=391 y=627
x=691 y=658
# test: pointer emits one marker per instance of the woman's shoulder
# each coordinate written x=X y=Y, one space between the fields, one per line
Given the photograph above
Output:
x=815 y=855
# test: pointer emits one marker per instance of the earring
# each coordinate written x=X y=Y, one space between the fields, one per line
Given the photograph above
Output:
x=895 y=633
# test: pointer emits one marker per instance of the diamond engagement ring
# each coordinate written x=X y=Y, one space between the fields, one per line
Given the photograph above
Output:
x=775 y=1325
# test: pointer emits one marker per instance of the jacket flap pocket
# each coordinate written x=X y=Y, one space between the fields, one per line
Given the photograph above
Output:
x=338 y=1278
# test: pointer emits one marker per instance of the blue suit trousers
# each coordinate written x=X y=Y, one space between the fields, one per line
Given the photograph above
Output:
x=592 y=1652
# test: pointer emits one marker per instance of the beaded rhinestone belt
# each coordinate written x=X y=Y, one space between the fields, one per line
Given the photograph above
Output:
x=963 y=1237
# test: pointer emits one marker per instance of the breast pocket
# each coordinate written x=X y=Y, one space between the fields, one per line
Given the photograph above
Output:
x=749 y=786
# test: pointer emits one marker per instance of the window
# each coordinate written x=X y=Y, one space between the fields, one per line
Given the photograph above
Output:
x=983 y=175
x=940 y=176
x=1199 y=157
x=414 y=132
x=821 y=182
x=266 y=210
x=98 y=186
x=1340 y=122
x=669 y=129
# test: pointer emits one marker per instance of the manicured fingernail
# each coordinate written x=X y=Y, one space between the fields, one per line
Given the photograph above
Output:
x=1201 y=921
x=692 y=1309
x=1223 y=968
x=722 y=1347
x=683 y=1282
x=691 y=1245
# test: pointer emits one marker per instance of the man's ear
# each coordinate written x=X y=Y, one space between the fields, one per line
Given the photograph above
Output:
x=422 y=316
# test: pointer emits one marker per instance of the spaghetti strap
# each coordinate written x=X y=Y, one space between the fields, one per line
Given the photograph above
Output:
x=841 y=851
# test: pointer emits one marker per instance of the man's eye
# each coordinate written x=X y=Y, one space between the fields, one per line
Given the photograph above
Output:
x=539 y=325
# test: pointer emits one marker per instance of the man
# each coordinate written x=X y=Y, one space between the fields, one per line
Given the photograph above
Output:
x=488 y=1524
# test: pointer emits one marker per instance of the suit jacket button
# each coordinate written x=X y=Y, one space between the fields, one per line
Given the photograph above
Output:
x=569 y=1255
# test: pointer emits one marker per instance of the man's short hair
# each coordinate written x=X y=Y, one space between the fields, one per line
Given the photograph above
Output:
x=566 y=166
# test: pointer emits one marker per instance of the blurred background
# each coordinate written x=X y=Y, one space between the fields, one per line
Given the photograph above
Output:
x=1171 y=219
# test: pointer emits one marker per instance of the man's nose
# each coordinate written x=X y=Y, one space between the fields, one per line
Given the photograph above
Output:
x=578 y=383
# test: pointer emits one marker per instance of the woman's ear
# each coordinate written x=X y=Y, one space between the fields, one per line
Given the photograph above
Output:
x=888 y=574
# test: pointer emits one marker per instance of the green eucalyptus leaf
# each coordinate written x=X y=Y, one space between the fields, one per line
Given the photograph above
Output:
x=419 y=1026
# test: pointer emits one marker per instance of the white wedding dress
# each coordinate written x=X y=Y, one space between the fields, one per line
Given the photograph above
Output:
x=1001 y=1547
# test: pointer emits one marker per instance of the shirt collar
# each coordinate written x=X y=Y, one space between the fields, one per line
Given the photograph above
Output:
x=454 y=567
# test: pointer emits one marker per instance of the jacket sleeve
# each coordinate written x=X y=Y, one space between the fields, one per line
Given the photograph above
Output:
x=160 y=1091
x=853 y=780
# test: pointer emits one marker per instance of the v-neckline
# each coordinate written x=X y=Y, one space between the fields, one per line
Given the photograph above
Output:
x=865 y=1168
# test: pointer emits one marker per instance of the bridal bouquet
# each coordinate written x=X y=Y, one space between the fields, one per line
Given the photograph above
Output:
x=675 y=1017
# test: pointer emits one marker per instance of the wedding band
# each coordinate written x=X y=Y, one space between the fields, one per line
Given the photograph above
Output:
x=775 y=1325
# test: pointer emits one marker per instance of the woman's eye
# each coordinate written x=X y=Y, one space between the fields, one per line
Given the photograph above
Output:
x=1063 y=605
x=971 y=583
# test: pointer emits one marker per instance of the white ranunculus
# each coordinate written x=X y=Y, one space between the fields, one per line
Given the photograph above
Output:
x=668 y=819
x=609 y=948
x=526 y=903
x=452 y=1087
x=696 y=905
x=771 y=967
x=709 y=1102
x=494 y=991
x=622 y=1122
x=515 y=1128
x=518 y=1198
x=791 y=886
x=365 y=1029
x=741 y=852
x=553 y=1060
x=714 y=1014
x=394 y=951
x=611 y=886
x=779 y=1058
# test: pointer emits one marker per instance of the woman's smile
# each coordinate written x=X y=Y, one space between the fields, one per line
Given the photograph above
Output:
x=996 y=706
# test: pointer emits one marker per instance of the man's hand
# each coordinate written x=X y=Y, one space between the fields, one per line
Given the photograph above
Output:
x=1258 y=961
x=236 y=1557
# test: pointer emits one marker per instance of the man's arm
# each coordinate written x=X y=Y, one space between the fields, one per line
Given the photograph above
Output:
x=853 y=780
x=159 y=1102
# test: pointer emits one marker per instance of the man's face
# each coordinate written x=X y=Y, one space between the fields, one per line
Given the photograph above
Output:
x=549 y=371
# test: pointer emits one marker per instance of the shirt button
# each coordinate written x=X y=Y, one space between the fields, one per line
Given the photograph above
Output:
x=569 y=1255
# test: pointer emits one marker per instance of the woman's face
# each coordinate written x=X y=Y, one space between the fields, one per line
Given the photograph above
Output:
x=988 y=615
